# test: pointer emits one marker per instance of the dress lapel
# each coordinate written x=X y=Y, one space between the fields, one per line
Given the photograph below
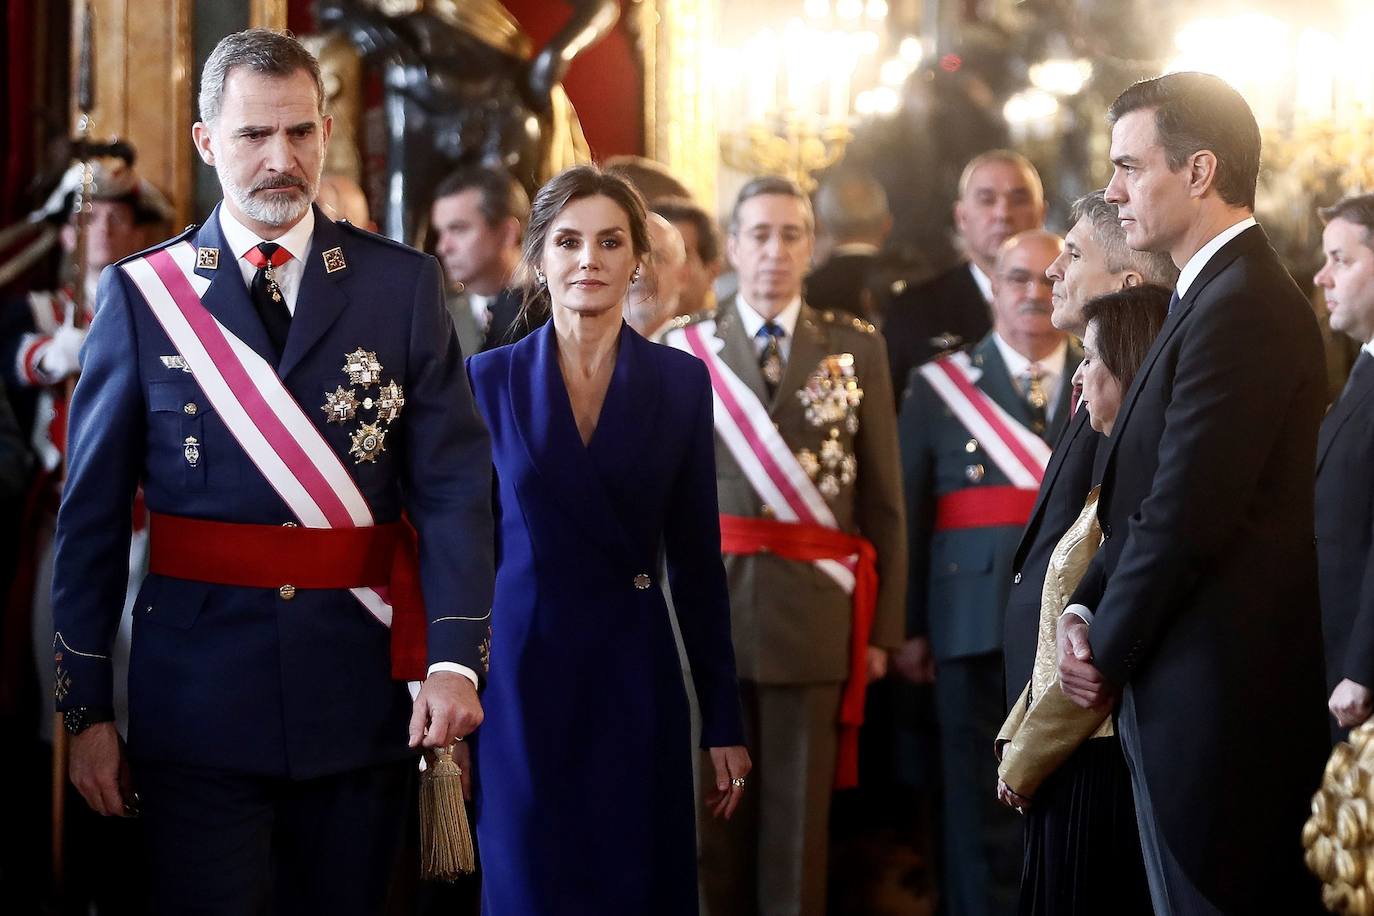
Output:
x=1078 y=426
x=322 y=297
x=1064 y=403
x=808 y=348
x=543 y=416
x=227 y=297
x=1349 y=404
x=995 y=381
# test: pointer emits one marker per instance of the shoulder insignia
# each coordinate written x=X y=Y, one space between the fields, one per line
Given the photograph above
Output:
x=863 y=326
x=703 y=315
x=186 y=234
x=898 y=287
x=828 y=316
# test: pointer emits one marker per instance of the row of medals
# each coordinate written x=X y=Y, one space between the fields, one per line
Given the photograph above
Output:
x=342 y=405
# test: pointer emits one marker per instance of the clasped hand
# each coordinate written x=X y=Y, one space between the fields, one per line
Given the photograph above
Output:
x=1078 y=677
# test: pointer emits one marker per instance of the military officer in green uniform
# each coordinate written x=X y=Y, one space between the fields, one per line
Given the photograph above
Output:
x=814 y=539
x=975 y=430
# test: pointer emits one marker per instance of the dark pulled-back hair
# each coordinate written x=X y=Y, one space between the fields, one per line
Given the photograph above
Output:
x=1357 y=209
x=1198 y=111
x=1128 y=320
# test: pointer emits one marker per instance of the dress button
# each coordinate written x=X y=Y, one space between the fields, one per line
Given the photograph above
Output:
x=287 y=592
x=642 y=581
x=1016 y=579
x=190 y=408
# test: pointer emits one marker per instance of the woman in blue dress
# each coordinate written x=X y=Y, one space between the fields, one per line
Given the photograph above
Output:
x=603 y=448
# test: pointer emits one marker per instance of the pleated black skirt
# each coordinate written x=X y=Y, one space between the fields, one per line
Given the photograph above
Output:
x=1082 y=844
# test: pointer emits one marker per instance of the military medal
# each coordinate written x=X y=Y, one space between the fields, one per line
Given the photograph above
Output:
x=340 y=405
x=832 y=393
x=362 y=367
x=191 y=451
x=390 y=400
x=368 y=442
x=270 y=273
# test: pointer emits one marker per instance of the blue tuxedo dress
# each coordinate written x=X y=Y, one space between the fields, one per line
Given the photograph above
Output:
x=584 y=778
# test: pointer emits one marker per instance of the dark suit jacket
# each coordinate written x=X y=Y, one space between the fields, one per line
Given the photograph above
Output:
x=240 y=678
x=1345 y=533
x=958 y=579
x=841 y=284
x=943 y=313
x=1206 y=587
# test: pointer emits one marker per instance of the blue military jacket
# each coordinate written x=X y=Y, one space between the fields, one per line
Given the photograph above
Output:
x=246 y=678
x=959 y=578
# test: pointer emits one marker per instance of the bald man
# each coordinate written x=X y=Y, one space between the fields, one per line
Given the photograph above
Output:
x=653 y=298
x=970 y=485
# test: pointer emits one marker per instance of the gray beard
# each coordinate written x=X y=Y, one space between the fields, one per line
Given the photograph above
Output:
x=269 y=211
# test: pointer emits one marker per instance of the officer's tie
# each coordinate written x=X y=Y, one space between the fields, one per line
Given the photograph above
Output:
x=1173 y=301
x=770 y=360
x=1036 y=399
x=267 y=296
x=1362 y=367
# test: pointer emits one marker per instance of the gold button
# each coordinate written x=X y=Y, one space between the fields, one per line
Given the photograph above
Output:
x=971 y=446
x=642 y=581
x=287 y=592
x=190 y=408
x=766 y=511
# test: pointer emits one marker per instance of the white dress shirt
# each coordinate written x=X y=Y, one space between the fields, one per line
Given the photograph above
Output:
x=481 y=310
x=752 y=321
x=983 y=281
x=296 y=240
x=1051 y=371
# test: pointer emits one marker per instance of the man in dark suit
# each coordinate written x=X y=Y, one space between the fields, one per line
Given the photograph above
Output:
x=1345 y=454
x=478 y=218
x=969 y=483
x=284 y=387
x=999 y=195
x=1202 y=601
x=852 y=215
x=1095 y=260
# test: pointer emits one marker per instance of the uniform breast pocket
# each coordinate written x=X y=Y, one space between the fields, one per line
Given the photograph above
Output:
x=187 y=439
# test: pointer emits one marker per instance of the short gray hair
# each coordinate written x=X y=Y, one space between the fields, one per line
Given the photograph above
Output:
x=1009 y=157
x=1156 y=268
x=260 y=50
x=772 y=184
x=852 y=205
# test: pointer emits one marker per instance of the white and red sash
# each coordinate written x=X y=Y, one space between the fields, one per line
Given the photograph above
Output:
x=743 y=424
x=260 y=413
x=1019 y=453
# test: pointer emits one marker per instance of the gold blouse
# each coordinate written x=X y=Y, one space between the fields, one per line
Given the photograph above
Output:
x=1045 y=727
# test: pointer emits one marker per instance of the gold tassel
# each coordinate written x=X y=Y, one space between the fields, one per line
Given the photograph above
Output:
x=446 y=851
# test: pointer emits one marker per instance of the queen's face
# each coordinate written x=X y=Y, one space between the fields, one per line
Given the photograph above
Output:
x=1101 y=389
x=588 y=257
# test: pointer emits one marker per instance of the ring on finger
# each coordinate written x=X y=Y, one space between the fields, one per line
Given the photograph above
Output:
x=737 y=782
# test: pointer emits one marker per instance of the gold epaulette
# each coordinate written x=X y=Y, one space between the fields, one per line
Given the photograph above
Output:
x=847 y=320
x=682 y=321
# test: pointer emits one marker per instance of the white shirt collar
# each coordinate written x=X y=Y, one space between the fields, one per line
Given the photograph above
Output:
x=752 y=320
x=1189 y=273
x=1369 y=348
x=1052 y=365
x=240 y=238
x=983 y=280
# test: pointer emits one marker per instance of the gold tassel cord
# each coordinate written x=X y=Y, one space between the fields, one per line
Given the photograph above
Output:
x=1339 y=836
x=446 y=851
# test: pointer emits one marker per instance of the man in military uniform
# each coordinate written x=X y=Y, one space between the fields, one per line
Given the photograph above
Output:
x=479 y=217
x=813 y=536
x=975 y=428
x=284 y=387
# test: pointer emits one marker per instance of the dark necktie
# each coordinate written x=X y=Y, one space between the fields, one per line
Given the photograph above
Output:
x=1357 y=371
x=770 y=360
x=267 y=296
x=1173 y=301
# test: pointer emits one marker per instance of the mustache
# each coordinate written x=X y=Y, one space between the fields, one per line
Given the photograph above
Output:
x=278 y=181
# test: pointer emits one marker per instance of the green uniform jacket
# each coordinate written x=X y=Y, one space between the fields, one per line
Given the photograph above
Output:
x=791 y=623
x=960 y=578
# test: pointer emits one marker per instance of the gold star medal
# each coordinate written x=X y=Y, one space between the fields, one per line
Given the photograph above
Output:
x=340 y=405
x=368 y=442
x=390 y=400
x=362 y=367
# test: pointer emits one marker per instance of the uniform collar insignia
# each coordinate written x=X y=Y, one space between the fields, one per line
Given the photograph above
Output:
x=208 y=258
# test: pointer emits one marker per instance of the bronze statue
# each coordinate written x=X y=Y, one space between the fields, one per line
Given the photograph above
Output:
x=462 y=84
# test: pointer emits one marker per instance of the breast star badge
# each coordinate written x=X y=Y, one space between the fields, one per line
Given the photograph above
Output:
x=368 y=443
x=390 y=400
x=340 y=405
x=362 y=367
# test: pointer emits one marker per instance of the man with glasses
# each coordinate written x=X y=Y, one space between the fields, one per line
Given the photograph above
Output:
x=975 y=430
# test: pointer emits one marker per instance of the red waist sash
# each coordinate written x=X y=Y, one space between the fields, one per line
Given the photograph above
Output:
x=745 y=536
x=984 y=507
x=273 y=556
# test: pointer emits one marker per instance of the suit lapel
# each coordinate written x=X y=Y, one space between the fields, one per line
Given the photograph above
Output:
x=808 y=349
x=739 y=353
x=996 y=382
x=1064 y=403
x=227 y=298
x=322 y=297
x=1340 y=413
x=543 y=416
x=1077 y=426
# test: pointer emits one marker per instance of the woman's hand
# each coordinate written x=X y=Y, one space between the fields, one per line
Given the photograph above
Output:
x=732 y=766
x=1008 y=797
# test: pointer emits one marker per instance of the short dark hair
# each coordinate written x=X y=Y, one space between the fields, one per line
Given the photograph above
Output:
x=501 y=196
x=264 y=52
x=1198 y=111
x=771 y=184
x=1357 y=209
x=1128 y=320
x=683 y=210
